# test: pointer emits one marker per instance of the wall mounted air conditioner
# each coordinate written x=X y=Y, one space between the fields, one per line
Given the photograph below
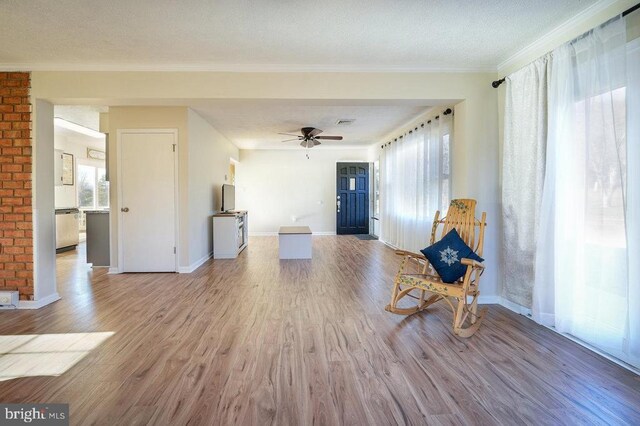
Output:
x=9 y=299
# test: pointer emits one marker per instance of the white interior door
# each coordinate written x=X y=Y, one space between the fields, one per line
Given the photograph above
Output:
x=147 y=200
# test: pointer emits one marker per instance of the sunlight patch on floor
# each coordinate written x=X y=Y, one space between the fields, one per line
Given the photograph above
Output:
x=45 y=354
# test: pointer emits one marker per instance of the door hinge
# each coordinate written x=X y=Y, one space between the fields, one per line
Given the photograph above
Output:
x=174 y=147
x=174 y=250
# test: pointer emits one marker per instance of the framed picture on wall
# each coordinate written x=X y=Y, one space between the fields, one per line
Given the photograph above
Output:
x=67 y=169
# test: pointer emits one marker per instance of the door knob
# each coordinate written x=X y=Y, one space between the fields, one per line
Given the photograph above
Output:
x=124 y=209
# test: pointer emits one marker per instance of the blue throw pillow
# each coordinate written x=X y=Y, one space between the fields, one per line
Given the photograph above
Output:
x=445 y=256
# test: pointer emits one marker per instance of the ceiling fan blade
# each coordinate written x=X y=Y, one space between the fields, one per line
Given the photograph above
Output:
x=290 y=140
x=289 y=134
x=330 y=138
x=315 y=132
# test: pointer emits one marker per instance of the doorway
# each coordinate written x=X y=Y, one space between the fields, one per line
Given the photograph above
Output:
x=147 y=197
x=81 y=193
x=352 y=194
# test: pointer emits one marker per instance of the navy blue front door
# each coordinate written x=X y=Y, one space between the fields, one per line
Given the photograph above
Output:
x=352 y=206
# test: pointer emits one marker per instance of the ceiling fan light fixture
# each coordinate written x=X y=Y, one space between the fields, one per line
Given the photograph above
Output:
x=310 y=137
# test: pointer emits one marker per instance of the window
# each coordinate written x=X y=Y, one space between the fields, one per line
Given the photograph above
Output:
x=376 y=188
x=415 y=179
x=232 y=173
x=102 y=188
x=93 y=188
x=445 y=177
x=600 y=121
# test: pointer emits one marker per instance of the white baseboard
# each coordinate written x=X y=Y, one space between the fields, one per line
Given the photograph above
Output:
x=594 y=349
x=512 y=306
x=499 y=300
x=391 y=246
x=195 y=265
x=526 y=312
x=37 y=304
x=489 y=300
x=181 y=270
x=324 y=233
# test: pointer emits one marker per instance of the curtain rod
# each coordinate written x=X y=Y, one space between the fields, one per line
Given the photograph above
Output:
x=437 y=117
x=632 y=9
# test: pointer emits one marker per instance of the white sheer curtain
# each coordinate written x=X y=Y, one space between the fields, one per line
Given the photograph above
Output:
x=632 y=346
x=585 y=258
x=414 y=183
x=525 y=142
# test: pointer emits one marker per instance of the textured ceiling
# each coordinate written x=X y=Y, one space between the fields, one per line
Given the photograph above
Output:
x=365 y=34
x=252 y=125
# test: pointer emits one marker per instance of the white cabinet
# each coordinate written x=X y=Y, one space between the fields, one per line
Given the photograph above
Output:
x=230 y=234
x=67 y=233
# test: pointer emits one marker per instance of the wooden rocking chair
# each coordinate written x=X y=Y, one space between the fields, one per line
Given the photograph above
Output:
x=464 y=292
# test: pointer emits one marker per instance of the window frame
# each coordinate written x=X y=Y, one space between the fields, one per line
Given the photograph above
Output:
x=96 y=172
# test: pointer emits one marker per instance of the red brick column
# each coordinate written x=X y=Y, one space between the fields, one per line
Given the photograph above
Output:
x=16 y=220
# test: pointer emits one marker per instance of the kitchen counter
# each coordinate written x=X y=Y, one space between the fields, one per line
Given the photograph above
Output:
x=98 y=252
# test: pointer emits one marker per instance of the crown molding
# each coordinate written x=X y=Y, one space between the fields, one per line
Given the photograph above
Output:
x=240 y=68
x=567 y=28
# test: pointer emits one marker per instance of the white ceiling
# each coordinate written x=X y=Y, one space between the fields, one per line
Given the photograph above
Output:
x=267 y=34
x=254 y=125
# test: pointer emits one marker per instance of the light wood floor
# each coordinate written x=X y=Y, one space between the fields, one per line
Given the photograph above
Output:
x=263 y=341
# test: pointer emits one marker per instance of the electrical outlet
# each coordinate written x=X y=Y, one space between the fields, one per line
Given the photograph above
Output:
x=9 y=298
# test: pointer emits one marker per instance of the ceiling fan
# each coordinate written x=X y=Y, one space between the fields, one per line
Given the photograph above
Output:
x=310 y=138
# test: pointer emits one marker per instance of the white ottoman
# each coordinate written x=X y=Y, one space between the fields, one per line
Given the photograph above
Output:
x=294 y=242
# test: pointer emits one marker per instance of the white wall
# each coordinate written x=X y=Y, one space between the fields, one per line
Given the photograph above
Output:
x=66 y=195
x=44 y=230
x=209 y=156
x=283 y=187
